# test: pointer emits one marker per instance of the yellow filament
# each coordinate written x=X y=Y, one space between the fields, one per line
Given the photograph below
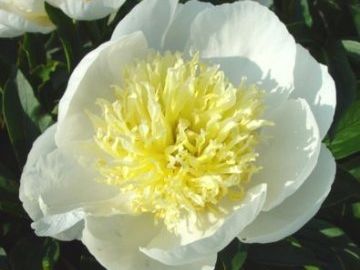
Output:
x=179 y=136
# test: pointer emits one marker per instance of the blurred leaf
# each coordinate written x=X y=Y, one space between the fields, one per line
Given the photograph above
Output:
x=352 y=48
x=34 y=49
x=8 y=49
x=285 y=253
x=353 y=166
x=51 y=254
x=12 y=208
x=2 y=123
x=21 y=130
x=346 y=138
x=330 y=244
x=355 y=13
x=89 y=263
x=301 y=32
x=356 y=210
x=44 y=72
x=67 y=33
x=344 y=77
x=31 y=105
x=306 y=12
x=345 y=187
x=8 y=189
x=338 y=208
x=4 y=265
x=33 y=253
x=232 y=257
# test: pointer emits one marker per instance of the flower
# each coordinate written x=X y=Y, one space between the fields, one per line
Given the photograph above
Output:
x=20 y=16
x=87 y=9
x=195 y=124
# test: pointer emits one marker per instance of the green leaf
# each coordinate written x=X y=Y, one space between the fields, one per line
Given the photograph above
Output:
x=355 y=13
x=21 y=129
x=331 y=245
x=352 y=165
x=346 y=138
x=356 y=210
x=338 y=207
x=232 y=257
x=306 y=12
x=31 y=105
x=352 y=48
x=344 y=77
x=51 y=254
x=345 y=187
x=67 y=33
x=44 y=71
x=34 y=49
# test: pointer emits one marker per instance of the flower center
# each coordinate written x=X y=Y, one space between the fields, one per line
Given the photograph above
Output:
x=179 y=137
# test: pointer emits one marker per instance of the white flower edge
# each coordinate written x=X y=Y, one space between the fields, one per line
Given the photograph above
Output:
x=290 y=216
x=87 y=10
x=13 y=25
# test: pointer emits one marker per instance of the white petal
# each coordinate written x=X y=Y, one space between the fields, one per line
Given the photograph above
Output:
x=115 y=242
x=189 y=246
x=42 y=146
x=19 y=24
x=289 y=151
x=92 y=79
x=152 y=17
x=251 y=37
x=54 y=187
x=296 y=210
x=55 y=224
x=9 y=32
x=179 y=29
x=87 y=10
x=314 y=83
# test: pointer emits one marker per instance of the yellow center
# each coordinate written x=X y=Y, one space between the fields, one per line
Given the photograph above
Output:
x=179 y=137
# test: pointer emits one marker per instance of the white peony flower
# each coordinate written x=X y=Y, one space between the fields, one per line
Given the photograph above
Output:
x=87 y=9
x=193 y=125
x=20 y=16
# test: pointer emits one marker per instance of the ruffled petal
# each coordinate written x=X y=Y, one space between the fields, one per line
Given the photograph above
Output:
x=152 y=17
x=314 y=83
x=178 y=32
x=115 y=242
x=289 y=151
x=247 y=39
x=42 y=146
x=57 y=191
x=87 y=10
x=8 y=32
x=190 y=244
x=296 y=210
x=13 y=24
x=92 y=79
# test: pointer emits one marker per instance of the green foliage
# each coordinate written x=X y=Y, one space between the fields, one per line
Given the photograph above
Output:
x=347 y=133
x=34 y=73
